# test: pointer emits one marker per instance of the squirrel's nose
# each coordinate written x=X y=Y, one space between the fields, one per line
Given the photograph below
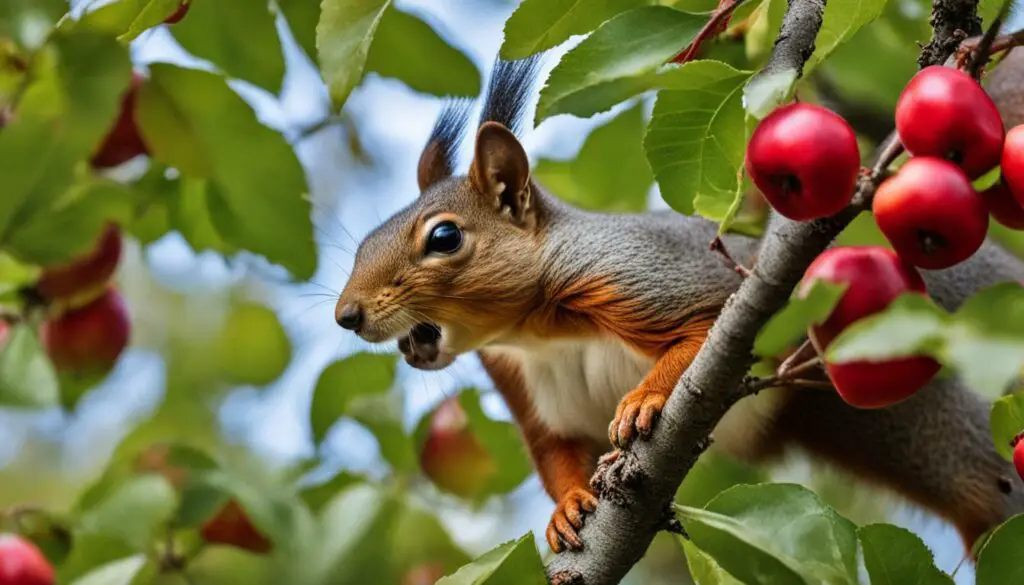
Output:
x=350 y=317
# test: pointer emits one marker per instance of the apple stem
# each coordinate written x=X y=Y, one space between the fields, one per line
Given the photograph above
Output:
x=1017 y=439
x=789 y=377
x=715 y=25
x=718 y=246
x=805 y=352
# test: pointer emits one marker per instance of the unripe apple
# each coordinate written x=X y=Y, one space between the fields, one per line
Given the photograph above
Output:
x=452 y=457
x=805 y=160
x=1018 y=455
x=22 y=563
x=931 y=214
x=178 y=14
x=1013 y=162
x=875 y=277
x=123 y=142
x=88 y=340
x=86 y=276
x=231 y=526
x=943 y=112
x=1003 y=206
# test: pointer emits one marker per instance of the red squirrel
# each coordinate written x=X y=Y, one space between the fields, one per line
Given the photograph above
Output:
x=585 y=322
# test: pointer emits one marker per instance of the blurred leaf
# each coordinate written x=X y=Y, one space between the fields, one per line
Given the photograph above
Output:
x=537 y=25
x=153 y=194
x=153 y=13
x=697 y=136
x=989 y=9
x=223 y=565
x=256 y=197
x=714 y=473
x=842 y=19
x=91 y=550
x=239 y=37
x=862 y=231
x=27 y=379
x=317 y=496
x=134 y=512
x=188 y=212
x=123 y=572
x=502 y=440
x=14 y=274
x=790 y=324
x=895 y=556
x=408 y=49
x=703 y=568
x=775 y=534
x=355 y=527
x=760 y=38
x=62 y=117
x=28 y=21
x=363 y=374
x=983 y=340
x=72 y=225
x=302 y=17
x=624 y=57
x=516 y=562
x=253 y=346
x=418 y=537
x=1007 y=420
x=343 y=39
x=590 y=182
x=766 y=90
x=999 y=559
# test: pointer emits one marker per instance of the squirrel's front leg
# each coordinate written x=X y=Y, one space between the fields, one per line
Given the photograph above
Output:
x=639 y=409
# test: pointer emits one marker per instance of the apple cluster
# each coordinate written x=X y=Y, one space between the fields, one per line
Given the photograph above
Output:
x=805 y=160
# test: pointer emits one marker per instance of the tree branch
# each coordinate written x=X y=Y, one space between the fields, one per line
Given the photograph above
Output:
x=635 y=485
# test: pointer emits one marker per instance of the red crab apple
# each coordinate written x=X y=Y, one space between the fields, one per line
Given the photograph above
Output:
x=452 y=456
x=944 y=112
x=178 y=14
x=88 y=340
x=875 y=277
x=804 y=159
x=84 y=275
x=1012 y=162
x=231 y=526
x=22 y=563
x=931 y=214
x=123 y=142
x=1018 y=455
x=1003 y=206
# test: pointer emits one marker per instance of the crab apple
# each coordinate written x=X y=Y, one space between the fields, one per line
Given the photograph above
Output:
x=22 y=563
x=452 y=457
x=1018 y=455
x=943 y=112
x=90 y=339
x=875 y=277
x=1003 y=206
x=231 y=526
x=178 y=14
x=423 y=574
x=123 y=142
x=931 y=214
x=805 y=160
x=1012 y=162
x=90 y=272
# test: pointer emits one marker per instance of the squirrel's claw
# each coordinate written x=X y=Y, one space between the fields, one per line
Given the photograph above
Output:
x=567 y=520
x=636 y=415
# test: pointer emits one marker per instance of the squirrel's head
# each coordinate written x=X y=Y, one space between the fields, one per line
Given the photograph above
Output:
x=458 y=267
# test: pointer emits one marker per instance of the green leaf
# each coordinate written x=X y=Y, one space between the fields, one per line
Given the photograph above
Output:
x=302 y=17
x=862 y=231
x=135 y=512
x=253 y=346
x=697 y=136
x=624 y=57
x=516 y=562
x=908 y=326
x=842 y=19
x=27 y=379
x=999 y=559
x=790 y=324
x=239 y=37
x=355 y=525
x=28 y=21
x=408 y=49
x=896 y=556
x=775 y=534
x=319 y=495
x=538 y=25
x=256 y=194
x=343 y=40
x=153 y=13
x=123 y=572
x=714 y=473
x=703 y=568
x=90 y=551
x=14 y=275
x=502 y=440
x=1007 y=420
x=588 y=181
x=766 y=90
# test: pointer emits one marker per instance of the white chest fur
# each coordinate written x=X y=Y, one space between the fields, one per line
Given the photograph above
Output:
x=574 y=386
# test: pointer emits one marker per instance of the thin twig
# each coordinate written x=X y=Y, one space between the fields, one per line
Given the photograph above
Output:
x=715 y=25
x=718 y=246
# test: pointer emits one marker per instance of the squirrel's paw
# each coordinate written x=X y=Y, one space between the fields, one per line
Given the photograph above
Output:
x=637 y=412
x=568 y=519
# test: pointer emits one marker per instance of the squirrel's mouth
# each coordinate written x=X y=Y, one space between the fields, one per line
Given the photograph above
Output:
x=422 y=347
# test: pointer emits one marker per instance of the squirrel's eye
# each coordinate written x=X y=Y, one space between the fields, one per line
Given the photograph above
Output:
x=445 y=238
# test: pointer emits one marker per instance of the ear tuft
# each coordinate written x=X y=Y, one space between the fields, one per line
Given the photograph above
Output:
x=501 y=170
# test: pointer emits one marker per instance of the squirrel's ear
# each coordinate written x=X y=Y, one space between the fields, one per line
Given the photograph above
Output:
x=501 y=170
x=434 y=165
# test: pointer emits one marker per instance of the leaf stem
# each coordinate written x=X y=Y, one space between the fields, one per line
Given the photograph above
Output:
x=715 y=25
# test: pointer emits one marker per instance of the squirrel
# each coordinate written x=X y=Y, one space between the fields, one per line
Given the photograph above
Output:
x=585 y=322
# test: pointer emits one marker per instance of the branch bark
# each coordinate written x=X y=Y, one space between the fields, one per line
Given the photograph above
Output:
x=636 y=485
